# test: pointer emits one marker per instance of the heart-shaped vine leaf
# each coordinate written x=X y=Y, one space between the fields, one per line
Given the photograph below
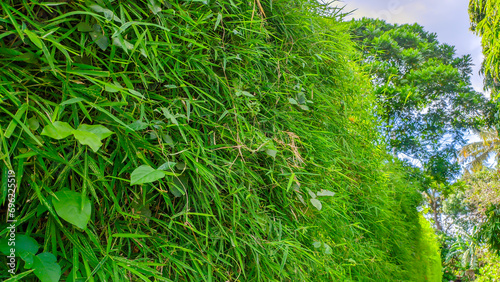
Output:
x=46 y=267
x=328 y=249
x=68 y=206
x=101 y=131
x=271 y=152
x=325 y=193
x=90 y=135
x=23 y=245
x=316 y=203
x=138 y=125
x=145 y=174
x=88 y=138
x=57 y=130
x=101 y=40
x=33 y=123
x=311 y=193
x=29 y=258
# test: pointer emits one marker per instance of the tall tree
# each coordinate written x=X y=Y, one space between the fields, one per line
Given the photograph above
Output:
x=426 y=101
x=424 y=91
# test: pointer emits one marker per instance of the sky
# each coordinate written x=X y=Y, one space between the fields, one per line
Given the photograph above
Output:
x=449 y=19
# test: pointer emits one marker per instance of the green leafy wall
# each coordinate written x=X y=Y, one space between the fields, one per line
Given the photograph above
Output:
x=212 y=141
x=427 y=261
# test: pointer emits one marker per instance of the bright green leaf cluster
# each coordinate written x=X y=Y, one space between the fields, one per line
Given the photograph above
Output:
x=323 y=193
x=90 y=135
x=45 y=264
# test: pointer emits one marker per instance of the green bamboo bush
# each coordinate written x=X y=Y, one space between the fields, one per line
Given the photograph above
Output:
x=195 y=141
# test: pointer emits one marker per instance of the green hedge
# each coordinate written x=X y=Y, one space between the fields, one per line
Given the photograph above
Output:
x=235 y=121
x=427 y=263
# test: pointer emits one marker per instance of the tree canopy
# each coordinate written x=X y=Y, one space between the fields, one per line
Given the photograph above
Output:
x=426 y=99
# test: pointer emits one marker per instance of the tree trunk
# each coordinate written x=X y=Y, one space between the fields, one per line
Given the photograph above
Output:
x=434 y=204
x=437 y=220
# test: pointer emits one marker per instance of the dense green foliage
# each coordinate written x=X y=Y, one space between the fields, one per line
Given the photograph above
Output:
x=484 y=194
x=197 y=141
x=470 y=248
x=485 y=17
x=490 y=268
x=483 y=197
x=473 y=221
x=427 y=258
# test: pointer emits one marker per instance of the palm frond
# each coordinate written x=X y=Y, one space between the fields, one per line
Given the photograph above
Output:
x=473 y=155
